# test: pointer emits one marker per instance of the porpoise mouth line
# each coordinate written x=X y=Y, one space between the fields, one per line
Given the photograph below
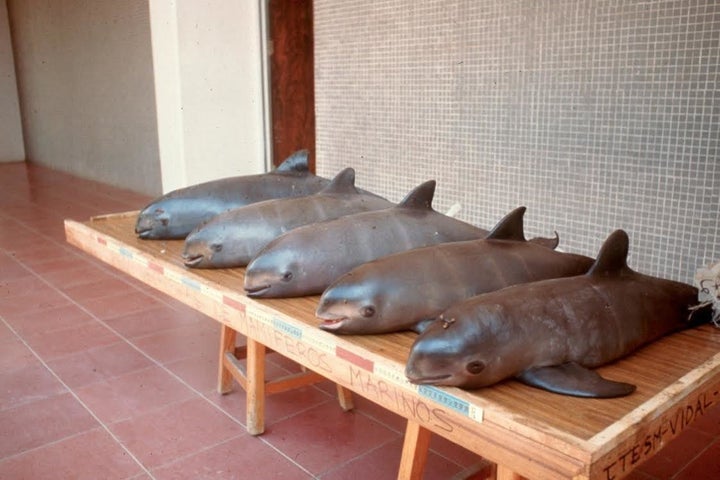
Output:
x=192 y=260
x=257 y=291
x=428 y=380
x=332 y=323
x=144 y=232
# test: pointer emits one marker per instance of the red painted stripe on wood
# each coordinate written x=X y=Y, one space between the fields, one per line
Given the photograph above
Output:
x=234 y=304
x=155 y=267
x=354 y=358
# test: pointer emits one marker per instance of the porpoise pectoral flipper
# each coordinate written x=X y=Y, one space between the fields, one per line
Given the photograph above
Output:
x=551 y=333
x=575 y=380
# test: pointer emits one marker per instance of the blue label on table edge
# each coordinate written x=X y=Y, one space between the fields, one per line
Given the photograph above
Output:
x=287 y=328
x=444 y=398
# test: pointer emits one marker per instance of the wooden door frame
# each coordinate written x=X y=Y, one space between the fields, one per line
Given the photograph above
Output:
x=290 y=102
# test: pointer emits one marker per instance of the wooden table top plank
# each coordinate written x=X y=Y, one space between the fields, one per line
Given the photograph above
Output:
x=571 y=435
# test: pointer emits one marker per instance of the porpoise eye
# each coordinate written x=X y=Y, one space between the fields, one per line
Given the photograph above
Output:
x=475 y=367
x=287 y=276
x=216 y=247
x=367 y=311
x=164 y=222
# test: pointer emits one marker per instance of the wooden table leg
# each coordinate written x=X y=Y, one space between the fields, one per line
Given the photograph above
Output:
x=227 y=344
x=504 y=473
x=414 y=452
x=253 y=380
x=345 y=398
x=255 y=392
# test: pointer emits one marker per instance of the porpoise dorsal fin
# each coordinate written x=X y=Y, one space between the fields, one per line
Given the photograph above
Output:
x=296 y=163
x=551 y=243
x=510 y=227
x=344 y=182
x=612 y=257
x=420 y=197
x=576 y=380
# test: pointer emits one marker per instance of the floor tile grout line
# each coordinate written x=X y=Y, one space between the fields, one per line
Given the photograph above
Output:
x=182 y=381
x=358 y=457
x=78 y=399
x=128 y=341
x=401 y=432
x=197 y=452
x=70 y=250
x=106 y=196
x=153 y=360
x=461 y=468
x=102 y=425
x=693 y=459
x=121 y=336
x=277 y=420
x=306 y=409
x=286 y=456
x=203 y=395
x=378 y=420
x=54 y=442
x=79 y=254
x=272 y=447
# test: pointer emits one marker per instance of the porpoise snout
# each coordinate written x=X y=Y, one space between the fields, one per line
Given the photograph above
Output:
x=330 y=321
x=144 y=233
x=420 y=371
x=201 y=248
x=144 y=225
x=196 y=255
x=193 y=260
x=257 y=290
x=150 y=222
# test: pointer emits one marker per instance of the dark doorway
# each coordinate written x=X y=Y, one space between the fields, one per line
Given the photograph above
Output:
x=292 y=88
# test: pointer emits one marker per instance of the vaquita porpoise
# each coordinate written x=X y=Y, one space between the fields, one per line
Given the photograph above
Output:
x=175 y=214
x=233 y=238
x=550 y=334
x=407 y=289
x=306 y=260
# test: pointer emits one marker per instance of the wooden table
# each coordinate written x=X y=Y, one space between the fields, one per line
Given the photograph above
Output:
x=526 y=432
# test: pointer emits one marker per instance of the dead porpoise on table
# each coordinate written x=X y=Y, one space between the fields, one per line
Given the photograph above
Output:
x=550 y=334
x=407 y=289
x=233 y=238
x=306 y=260
x=175 y=214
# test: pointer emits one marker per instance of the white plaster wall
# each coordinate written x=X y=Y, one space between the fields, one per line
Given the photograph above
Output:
x=208 y=77
x=86 y=91
x=11 y=138
x=150 y=95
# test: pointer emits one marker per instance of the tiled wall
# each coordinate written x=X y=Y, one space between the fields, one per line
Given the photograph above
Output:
x=596 y=115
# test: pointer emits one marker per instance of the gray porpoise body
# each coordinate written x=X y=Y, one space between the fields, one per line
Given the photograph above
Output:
x=403 y=290
x=549 y=334
x=306 y=260
x=233 y=238
x=175 y=214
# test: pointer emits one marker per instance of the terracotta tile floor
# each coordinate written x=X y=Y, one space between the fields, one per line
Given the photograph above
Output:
x=101 y=377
